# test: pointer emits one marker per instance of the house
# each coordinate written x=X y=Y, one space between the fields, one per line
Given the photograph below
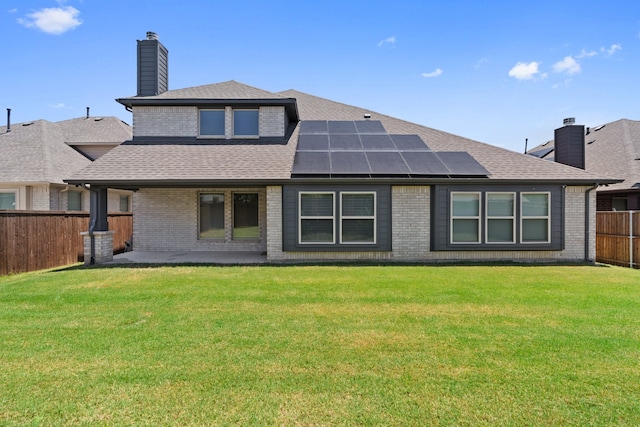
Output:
x=611 y=149
x=229 y=167
x=36 y=156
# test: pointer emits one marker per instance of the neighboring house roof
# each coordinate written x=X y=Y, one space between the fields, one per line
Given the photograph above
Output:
x=36 y=152
x=95 y=130
x=162 y=161
x=612 y=150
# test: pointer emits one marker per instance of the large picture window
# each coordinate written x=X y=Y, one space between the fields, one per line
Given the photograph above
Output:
x=358 y=217
x=535 y=217
x=212 y=123
x=465 y=217
x=211 y=216
x=245 y=216
x=316 y=218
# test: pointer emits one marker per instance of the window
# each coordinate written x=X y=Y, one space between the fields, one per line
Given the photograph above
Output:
x=7 y=201
x=212 y=123
x=316 y=218
x=501 y=218
x=245 y=216
x=535 y=217
x=465 y=217
x=245 y=123
x=358 y=217
x=211 y=216
x=124 y=203
x=74 y=200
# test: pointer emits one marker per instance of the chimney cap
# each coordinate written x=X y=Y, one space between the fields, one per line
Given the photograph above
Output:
x=569 y=121
x=152 y=36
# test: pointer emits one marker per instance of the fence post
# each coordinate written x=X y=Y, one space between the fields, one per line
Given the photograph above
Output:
x=630 y=239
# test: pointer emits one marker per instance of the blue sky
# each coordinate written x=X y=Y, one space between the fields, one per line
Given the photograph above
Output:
x=494 y=71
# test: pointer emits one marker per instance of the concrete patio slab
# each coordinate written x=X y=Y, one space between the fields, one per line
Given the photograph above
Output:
x=195 y=257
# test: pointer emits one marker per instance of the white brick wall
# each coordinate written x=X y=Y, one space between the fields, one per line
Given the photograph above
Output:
x=272 y=121
x=167 y=220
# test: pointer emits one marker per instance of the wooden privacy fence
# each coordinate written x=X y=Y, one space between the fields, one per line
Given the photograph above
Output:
x=34 y=240
x=618 y=238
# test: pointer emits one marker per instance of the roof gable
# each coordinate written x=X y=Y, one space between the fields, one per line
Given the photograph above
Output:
x=36 y=152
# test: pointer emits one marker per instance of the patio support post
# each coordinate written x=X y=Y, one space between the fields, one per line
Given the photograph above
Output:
x=98 y=241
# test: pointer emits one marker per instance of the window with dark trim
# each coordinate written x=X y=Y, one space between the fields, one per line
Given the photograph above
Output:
x=211 y=216
x=246 y=223
x=497 y=218
x=337 y=218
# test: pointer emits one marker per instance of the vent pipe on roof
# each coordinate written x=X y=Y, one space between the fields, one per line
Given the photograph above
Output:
x=87 y=112
x=8 y=120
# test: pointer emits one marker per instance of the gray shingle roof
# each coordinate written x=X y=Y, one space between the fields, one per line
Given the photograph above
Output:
x=611 y=150
x=103 y=130
x=35 y=152
x=198 y=162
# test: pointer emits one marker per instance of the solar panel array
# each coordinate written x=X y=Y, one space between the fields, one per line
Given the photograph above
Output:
x=363 y=148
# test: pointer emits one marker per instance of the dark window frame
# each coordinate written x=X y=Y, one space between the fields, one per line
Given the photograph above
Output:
x=291 y=218
x=441 y=222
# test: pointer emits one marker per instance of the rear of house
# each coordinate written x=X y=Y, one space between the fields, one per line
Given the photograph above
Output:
x=229 y=167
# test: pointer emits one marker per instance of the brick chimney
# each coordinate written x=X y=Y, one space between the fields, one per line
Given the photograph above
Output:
x=569 y=144
x=153 y=66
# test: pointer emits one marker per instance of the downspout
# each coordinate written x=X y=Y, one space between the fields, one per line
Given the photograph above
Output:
x=92 y=238
x=587 y=207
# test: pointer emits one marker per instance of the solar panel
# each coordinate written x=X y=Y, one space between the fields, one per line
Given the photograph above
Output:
x=364 y=148
x=387 y=163
x=343 y=142
x=349 y=163
x=313 y=126
x=377 y=142
x=409 y=142
x=461 y=163
x=370 y=126
x=424 y=163
x=313 y=142
x=311 y=162
x=342 y=127
x=541 y=153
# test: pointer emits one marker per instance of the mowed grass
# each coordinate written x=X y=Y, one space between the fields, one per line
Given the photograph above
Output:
x=331 y=345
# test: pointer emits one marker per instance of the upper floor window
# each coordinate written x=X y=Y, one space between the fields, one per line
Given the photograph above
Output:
x=212 y=123
x=7 y=200
x=74 y=201
x=246 y=123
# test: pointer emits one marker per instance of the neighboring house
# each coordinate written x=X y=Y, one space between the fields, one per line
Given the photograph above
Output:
x=612 y=149
x=229 y=167
x=35 y=158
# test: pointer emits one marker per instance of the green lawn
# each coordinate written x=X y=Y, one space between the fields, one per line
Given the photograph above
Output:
x=454 y=345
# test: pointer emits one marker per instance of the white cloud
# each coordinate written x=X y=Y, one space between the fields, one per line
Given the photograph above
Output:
x=435 y=73
x=568 y=66
x=389 y=40
x=587 y=54
x=53 y=20
x=610 y=51
x=524 y=71
x=480 y=62
x=59 y=106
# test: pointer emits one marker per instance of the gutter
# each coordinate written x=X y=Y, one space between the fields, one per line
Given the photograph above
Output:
x=587 y=207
